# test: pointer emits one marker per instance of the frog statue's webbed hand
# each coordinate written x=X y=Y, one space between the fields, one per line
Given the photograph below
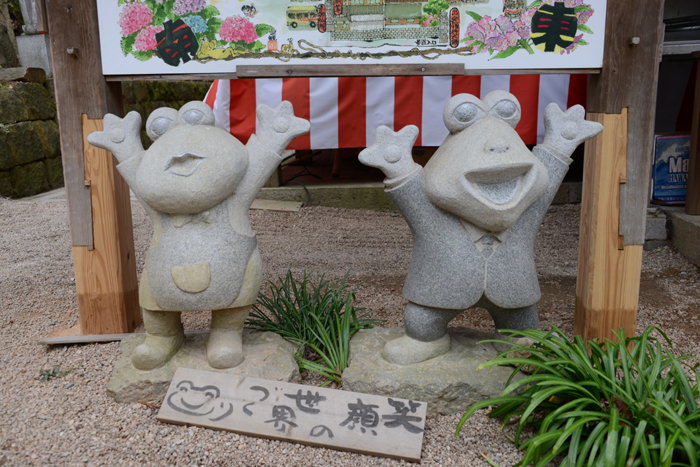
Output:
x=121 y=136
x=278 y=127
x=564 y=131
x=391 y=151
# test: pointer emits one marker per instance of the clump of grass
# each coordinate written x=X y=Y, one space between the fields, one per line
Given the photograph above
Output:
x=55 y=372
x=319 y=316
x=612 y=407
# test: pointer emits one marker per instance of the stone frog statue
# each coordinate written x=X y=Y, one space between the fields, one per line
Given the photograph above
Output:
x=474 y=212
x=197 y=183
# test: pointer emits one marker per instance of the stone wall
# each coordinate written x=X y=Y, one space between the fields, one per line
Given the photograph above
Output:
x=30 y=149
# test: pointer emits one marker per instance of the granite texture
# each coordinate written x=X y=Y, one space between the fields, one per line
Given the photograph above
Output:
x=35 y=51
x=449 y=383
x=197 y=183
x=655 y=225
x=267 y=356
x=474 y=212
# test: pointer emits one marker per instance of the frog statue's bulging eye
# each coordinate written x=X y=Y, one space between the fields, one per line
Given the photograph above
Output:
x=462 y=111
x=161 y=125
x=193 y=117
x=506 y=109
x=503 y=106
x=467 y=112
x=160 y=122
x=196 y=113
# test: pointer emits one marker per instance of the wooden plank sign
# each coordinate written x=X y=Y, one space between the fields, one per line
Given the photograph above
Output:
x=215 y=36
x=348 y=421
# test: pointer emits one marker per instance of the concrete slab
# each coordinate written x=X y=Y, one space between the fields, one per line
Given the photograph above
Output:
x=274 y=205
x=656 y=224
x=267 y=356
x=59 y=194
x=685 y=232
x=35 y=51
x=369 y=195
x=450 y=383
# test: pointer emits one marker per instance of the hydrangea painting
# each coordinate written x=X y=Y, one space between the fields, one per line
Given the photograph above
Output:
x=556 y=22
x=140 y=22
x=215 y=35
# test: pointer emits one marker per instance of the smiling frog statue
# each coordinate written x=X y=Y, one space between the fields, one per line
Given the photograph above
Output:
x=197 y=182
x=474 y=212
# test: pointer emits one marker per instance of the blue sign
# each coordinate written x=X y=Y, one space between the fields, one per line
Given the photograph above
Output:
x=671 y=168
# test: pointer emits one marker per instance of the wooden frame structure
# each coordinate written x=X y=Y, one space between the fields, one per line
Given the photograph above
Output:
x=617 y=170
x=692 y=197
x=616 y=180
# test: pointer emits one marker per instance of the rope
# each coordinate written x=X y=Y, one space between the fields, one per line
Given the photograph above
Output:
x=313 y=51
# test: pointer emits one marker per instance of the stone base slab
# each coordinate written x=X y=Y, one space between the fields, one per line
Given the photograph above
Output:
x=685 y=231
x=267 y=356
x=449 y=383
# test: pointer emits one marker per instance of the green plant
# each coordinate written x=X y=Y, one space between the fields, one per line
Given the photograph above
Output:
x=435 y=7
x=612 y=407
x=55 y=372
x=319 y=316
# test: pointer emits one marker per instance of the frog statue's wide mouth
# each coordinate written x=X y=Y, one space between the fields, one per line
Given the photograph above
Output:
x=500 y=185
x=184 y=164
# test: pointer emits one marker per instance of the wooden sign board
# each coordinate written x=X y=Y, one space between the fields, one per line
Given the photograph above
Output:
x=348 y=421
x=157 y=37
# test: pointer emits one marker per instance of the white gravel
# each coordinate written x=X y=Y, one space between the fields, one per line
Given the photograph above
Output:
x=71 y=421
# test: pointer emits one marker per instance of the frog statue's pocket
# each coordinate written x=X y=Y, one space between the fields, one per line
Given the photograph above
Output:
x=193 y=278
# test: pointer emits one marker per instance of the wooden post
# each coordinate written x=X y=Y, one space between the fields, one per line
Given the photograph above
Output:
x=617 y=170
x=98 y=198
x=607 y=287
x=692 y=196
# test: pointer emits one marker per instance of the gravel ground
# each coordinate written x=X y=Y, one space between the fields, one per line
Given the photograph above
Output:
x=71 y=421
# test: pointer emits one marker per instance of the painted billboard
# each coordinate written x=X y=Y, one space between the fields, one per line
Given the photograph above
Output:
x=214 y=36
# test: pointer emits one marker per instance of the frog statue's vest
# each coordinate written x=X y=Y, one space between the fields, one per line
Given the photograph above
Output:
x=197 y=262
x=462 y=275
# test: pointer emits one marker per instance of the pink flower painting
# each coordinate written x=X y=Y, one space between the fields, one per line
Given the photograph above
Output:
x=146 y=38
x=507 y=35
x=133 y=17
x=185 y=7
x=237 y=28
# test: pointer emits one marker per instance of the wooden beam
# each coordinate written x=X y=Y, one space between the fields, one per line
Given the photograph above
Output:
x=372 y=71
x=692 y=196
x=629 y=80
x=192 y=77
x=105 y=276
x=80 y=89
x=98 y=199
x=534 y=71
x=289 y=71
x=42 y=24
x=607 y=287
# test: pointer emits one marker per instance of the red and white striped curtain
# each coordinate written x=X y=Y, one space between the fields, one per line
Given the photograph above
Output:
x=344 y=112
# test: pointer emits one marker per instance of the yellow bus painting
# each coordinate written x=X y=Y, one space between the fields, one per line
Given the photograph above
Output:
x=298 y=15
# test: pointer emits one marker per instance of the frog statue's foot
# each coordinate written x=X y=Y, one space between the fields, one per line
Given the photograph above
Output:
x=164 y=337
x=406 y=350
x=224 y=348
x=225 y=343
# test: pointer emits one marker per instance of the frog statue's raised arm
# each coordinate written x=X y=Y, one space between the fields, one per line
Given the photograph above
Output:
x=474 y=211
x=197 y=183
